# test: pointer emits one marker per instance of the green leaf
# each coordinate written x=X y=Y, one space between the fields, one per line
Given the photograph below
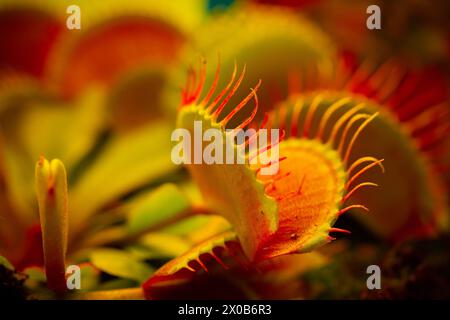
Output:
x=409 y=200
x=186 y=226
x=36 y=279
x=162 y=204
x=120 y=264
x=90 y=277
x=126 y=163
x=66 y=132
x=98 y=238
x=232 y=190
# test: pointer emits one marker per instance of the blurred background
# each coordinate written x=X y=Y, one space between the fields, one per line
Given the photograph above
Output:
x=104 y=100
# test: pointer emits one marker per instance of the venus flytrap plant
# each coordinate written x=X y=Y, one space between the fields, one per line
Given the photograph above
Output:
x=314 y=182
x=241 y=198
x=413 y=125
x=422 y=215
x=291 y=211
x=51 y=190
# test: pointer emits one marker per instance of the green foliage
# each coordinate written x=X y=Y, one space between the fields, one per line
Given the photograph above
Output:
x=163 y=204
x=120 y=264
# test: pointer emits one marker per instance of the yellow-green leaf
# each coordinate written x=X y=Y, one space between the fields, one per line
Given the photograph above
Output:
x=164 y=245
x=120 y=264
x=161 y=205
